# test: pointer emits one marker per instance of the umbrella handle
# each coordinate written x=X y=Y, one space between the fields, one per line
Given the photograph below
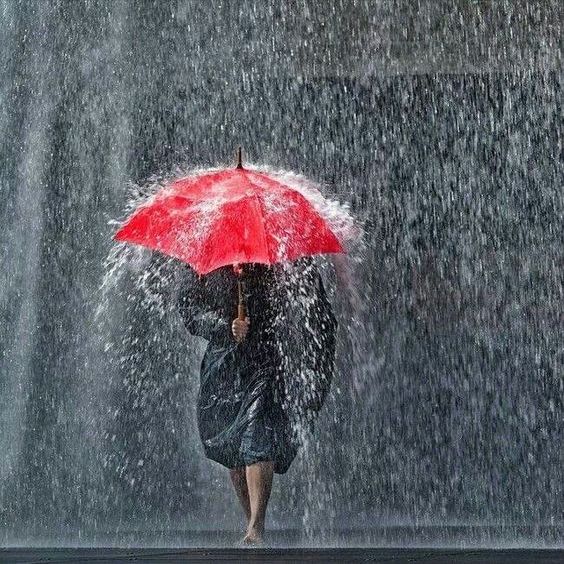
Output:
x=241 y=307
x=241 y=310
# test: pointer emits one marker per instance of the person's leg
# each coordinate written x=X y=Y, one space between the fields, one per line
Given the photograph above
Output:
x=239 y=479
x=259 y=483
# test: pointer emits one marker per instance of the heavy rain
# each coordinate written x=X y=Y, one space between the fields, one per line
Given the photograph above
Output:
x=436 y=125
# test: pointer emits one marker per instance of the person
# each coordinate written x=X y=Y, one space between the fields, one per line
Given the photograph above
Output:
x=263 y=380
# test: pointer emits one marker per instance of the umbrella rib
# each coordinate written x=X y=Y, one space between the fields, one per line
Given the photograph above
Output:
x=262 y=215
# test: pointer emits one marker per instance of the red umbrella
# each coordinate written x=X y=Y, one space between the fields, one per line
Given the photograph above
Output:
x=230 y=216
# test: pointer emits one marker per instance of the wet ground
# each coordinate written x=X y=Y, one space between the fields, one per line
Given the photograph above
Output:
x=346 y=555
x=395 y=544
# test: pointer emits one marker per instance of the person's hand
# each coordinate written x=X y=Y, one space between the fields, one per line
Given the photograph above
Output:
x=240 y=327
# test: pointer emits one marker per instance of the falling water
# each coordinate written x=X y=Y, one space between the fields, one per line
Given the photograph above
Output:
x=439 y=123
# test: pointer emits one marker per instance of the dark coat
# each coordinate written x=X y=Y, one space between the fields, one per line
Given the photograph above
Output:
x=258 y=397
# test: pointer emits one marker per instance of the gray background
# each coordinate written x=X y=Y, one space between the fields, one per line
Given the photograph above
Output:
x=441 y=124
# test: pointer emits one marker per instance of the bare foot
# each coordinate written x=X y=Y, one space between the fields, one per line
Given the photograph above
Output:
x=253 y=536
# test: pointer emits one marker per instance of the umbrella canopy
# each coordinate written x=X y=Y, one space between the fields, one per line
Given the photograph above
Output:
x=230 y=216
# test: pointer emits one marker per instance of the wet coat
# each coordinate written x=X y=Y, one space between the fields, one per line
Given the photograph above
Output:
x=258 y=397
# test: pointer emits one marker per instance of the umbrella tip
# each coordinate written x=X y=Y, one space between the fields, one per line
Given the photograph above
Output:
x=239 y=158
